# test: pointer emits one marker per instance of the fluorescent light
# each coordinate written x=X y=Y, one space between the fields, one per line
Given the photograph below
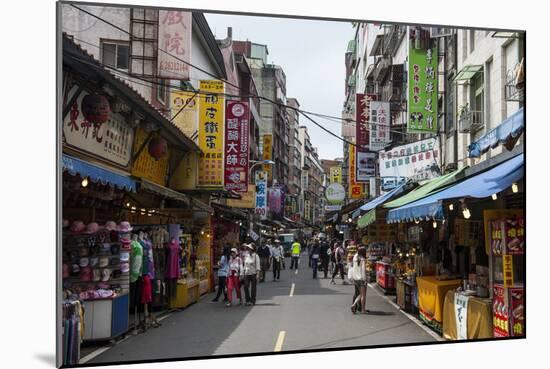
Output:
x=451 y=207
x=515 y=188
x=466 y=213
x=84 y=182
x=434 y=224
x=494 y=196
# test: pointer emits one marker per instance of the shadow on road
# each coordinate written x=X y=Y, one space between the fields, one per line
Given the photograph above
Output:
x=380 y=313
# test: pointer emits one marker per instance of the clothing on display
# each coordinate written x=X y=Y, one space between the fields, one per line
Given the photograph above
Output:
x=136 y=261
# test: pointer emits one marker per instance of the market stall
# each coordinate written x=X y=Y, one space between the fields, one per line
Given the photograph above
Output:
x=431 y=298
x=466 y=317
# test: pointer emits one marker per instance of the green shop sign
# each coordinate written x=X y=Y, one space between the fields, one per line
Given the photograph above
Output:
x=366 y=219
x=422 y=90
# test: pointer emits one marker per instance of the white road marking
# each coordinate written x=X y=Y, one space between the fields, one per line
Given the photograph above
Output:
x=296 y=272
x=280 y=340
x=163 y=317
x=92 y=355
x=292 y=290
x=416 y=321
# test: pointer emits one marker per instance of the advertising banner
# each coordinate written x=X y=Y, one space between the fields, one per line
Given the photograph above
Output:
x=261 y=194
x=422 y=101
x=276 y=202
x=418 y=161
x=379 y=119
x=174 y=43
x=362 y=126
x=268 y=153
x=335 y=174
x=187 y=119
x=500 y=312
x=236 y=146
x=307 y=210
x=461 y=316
x=517 y=316
x=355 y=189
x=247 y=201
x=366 y=166
x=111 y=140
x=508 y=270
x=145 y=166
x=211 y=134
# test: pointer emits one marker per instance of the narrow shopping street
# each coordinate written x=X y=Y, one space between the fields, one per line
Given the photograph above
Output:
x=313 y=314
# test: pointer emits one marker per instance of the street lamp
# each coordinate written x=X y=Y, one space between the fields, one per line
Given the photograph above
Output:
x=258 y=162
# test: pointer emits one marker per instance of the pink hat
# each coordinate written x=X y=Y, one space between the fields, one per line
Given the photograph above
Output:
x=110 y=226
x=92 y=228
x=124 y=267
x=78 y=226
x=124 y=227
x=86 y=274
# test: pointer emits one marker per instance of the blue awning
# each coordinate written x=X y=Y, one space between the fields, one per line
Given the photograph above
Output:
x=356 y=213
x=480 y=185
x=512 y=127
x=97 y=174
x=382 y=199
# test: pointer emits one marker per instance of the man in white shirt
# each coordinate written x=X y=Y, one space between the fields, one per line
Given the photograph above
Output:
x=251 y=274
x=277 y=253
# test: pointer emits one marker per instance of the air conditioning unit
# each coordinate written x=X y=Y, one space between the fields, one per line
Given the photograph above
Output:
x=440 y=32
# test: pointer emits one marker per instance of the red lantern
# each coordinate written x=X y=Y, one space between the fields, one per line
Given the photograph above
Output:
x=158 y=147
x=96 y=108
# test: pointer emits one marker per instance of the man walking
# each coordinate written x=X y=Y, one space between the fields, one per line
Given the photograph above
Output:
x=265 y=258
x=339 y=259
x=251 y=274
x=315 y=258
x=277 y=255
x=324 y=255
x=295 y=253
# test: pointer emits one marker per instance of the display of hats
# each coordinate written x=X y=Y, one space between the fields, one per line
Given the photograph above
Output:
x=110 y=226
x=94 y=250
x=116 y=273
x=78 y=226
x=125 y=227
x=75 y=269
x=106 y=247
x=103 y=285
x=125 y=267
x=105 y=274
x=83 y=251
x=74 y=254
x=114 y=261
x=94 y=261
x=124 y=256
x=103 y=261
x=115 y=249
x=66 y=223
x=91 y=228
x=102 y=236
x=126 y=245
x=84 y=262
x=65 y=270
x=86 y=274
x=96 y=275
x=92 y=241
x=113 y=235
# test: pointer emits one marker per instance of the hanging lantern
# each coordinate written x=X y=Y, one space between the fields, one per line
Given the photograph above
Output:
x=158 y=147
x=96 y=108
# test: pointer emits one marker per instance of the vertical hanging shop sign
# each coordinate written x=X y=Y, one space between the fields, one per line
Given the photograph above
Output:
x=211 y=132
x=336 y=175
x=365 y=164
x=261 y=194
x=422 y=102
x=184 y=110
x=355 y=189
x=379 y=119
x=174 y=40
x=362 y=110
x=236 y=146
x=267 y=153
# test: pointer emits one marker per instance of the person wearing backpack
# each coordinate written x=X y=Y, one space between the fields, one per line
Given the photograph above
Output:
x=339 y=259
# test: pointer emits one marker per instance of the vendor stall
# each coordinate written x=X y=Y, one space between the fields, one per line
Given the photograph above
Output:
x=431 y=298
x=466 y=317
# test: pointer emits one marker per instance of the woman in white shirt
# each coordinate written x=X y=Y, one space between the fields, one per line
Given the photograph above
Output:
x=251 y=274
x=359 y=276
x=233 y=279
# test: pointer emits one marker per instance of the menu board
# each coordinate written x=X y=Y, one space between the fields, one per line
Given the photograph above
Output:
x=514 y=233
x=500 y=312
x=517 y=316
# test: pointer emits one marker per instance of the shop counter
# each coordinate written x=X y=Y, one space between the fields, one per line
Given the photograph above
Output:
x=106 y=318
x=479 y=322
x=405 y=291
x=431 y=298
x=187 y=292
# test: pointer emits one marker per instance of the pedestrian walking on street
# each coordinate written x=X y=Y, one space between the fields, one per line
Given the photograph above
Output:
x=277 y=255
x=309 y=248
x=315 y=258
x=359 y=276
x=236 y=272
x=324 y=254
x=295 y=253
x=252 y=269
x=264 y=253
x=339 y=260
x=223 y=271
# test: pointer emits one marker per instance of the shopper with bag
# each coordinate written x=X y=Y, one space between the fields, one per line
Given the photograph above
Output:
x=252 y=269
x=235 y=274
x=358 y=274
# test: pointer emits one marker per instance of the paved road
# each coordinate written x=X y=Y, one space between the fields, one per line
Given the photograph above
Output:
x=316 y=316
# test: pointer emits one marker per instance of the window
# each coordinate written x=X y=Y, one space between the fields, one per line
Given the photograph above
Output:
x=161 y=91
x=115 y=54
x=477 y=100
x=472 y=40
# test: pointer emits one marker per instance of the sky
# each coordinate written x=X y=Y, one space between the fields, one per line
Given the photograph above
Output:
x=311 y=53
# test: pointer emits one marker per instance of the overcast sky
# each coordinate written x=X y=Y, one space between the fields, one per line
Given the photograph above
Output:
x=311 y=53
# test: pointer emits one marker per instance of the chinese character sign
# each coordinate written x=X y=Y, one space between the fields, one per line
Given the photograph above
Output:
x=211 y=134
x=362 y=126
x=422 y=112
x=145 y=166
x=184 y=111
x=261 y=194
x=379 y=119
x=336 y=175
x=355 y=189
x=236 y=146
x=174 y=43
x=111 y=140
x=267 y=153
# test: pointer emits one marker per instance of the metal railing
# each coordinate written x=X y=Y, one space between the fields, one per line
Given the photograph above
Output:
x=471 y=121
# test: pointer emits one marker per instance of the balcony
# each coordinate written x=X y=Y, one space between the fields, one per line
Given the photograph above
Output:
x=515 y=84
x=381 y=68
x=391 y=39
x=470 y=121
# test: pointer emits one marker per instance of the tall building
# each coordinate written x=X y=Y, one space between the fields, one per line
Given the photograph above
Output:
x=295 y=158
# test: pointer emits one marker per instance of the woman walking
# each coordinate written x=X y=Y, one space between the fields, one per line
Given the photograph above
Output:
x=252 y=268
x=222 y=274
x=359 y=276
x=235 y=274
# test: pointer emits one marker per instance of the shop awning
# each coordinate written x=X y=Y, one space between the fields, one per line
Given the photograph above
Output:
x=480 y=185
x=97 y=174
x=356 y=213
x=425 y=189
x=366 y=219
x=199 y=205
x=511 y=128
x=382 y=199
x=163 y=191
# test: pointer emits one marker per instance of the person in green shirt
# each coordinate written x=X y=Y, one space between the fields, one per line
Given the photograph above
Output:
x=296 y=249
